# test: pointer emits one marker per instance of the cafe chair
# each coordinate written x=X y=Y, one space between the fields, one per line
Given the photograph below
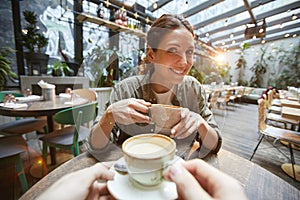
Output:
x=91 y=95
x=11 y=149
x=21 y=126
x=224 y=99
x=292 y=137
x=71 y=136
x=273 y=108
x=213 y=99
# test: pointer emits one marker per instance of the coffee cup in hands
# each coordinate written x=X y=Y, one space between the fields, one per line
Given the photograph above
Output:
x=165 y=116
x=146 y=156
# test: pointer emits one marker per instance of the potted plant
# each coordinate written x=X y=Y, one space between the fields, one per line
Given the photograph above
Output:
x=34 y=42
x=6 y=72
x=61 y=69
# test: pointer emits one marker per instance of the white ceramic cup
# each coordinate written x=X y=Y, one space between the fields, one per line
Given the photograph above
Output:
x=146 y=156
x=165 y=116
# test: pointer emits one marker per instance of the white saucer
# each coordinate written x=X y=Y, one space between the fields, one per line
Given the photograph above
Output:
x=122 y=188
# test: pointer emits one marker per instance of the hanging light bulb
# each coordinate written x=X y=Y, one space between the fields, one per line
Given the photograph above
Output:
x=295 y=35
x=263 y=41
x=231 y=35
x=147 y=20
x=223 y=43
x=254 y=37
x=233 y=42
x=207 y=34
x=107 y=3
x=294 y=17
x=136 y=15
x=281 y=26
x=287 y=35
x=261 y=30
x=123 y=9
x=226 y=22
x=155 y=5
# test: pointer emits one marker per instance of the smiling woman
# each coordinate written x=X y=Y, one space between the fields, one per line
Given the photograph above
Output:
x=169 y=57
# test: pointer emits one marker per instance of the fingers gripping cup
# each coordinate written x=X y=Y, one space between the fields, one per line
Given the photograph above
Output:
x=146 y=156
x=165 y=116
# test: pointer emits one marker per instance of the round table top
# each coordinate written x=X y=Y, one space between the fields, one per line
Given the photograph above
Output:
x=43 y=108
x=257 y=182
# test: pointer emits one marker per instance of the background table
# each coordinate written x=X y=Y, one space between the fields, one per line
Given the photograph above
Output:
x=258 y=182
x=44 y=108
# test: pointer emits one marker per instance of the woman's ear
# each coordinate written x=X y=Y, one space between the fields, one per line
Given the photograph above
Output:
x=150 y=54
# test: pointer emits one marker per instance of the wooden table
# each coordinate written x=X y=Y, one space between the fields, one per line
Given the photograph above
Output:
x=290 y=103
x=44 y=108
x=291 y=113
x=257 y=182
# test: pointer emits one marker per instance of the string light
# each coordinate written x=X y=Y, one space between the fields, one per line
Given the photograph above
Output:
x=233 y=42
x=231 y=35
x=261 y=30
x=295 y=35
x=287 y=35
x=294 y=17
x=155 y=6
x=254 y=37
x=147 y=20
x=263 y=41
x=136 y=15
x=107 y=3
x=207 y=34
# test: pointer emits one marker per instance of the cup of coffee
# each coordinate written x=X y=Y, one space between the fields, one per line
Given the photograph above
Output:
x=165 y=116
x=146 y=156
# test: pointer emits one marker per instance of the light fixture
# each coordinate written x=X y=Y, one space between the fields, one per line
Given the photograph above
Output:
x=233 y=42
x=295 y=35
x=226 y=22
x=231 y=35
x=261 y=30
x=147 y=20
x=123 y=9
x=155 y=6
x=287 y=35
x=254 y=37
x=207 y=34
x=107 y=3
x=294 y=16
x=263 y=41
x=136 y=15
x=223 y=43
x=281 y=26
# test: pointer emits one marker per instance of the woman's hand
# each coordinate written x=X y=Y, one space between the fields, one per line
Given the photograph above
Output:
x=129 y=111
x=189 y=123
x=82 y=184
x=195 y=179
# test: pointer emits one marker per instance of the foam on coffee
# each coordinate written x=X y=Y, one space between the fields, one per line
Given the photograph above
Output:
x=146 y=149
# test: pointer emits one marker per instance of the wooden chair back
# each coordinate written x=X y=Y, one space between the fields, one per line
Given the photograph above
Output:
x=86 y=93
x=261 y=114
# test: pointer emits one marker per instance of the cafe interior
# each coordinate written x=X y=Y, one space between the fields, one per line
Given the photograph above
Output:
x=60 y=60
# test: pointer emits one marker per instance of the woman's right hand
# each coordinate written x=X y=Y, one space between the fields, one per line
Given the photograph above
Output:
x=129 y=111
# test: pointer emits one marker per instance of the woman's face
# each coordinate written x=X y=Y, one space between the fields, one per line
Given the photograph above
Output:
x=174 y=57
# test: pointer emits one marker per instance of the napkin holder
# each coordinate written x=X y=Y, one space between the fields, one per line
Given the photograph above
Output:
x=48 y=94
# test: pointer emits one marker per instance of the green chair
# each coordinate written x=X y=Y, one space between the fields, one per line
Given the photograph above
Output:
x=21 y=125
x=11 y=149
x=70 y=137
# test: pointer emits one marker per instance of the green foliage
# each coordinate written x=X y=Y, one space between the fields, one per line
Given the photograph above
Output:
x=5 y=68
x=242 y=63
x=290 y=73
x=60 y=69
x=259 y=68
x=101 y=61
x=31 y=38
x=198 y=75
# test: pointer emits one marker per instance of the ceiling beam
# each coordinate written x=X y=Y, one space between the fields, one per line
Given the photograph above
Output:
x=200 y=7
x=230 y=13
x=269 y=24
x=258 y=41
x=160 y=4
x=270 y=32
x=291 y=6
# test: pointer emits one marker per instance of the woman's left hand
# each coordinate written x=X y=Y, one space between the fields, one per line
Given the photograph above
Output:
x=189 y=123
